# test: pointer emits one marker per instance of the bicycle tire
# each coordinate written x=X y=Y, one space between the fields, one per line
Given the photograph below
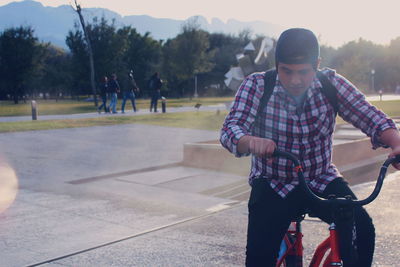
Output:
x=290 y=261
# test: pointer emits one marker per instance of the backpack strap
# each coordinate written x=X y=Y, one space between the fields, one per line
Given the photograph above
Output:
x=328 y=89
x=269 y=84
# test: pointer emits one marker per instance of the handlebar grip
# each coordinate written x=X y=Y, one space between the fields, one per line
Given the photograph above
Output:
x=283 y=154
x=276 y=153
x=389 y=161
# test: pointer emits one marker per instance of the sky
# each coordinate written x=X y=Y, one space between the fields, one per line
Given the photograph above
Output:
x=334 y=22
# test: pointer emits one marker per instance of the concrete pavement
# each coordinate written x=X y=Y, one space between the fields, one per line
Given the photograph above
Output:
x=86 y=186
x=54 y=229
x=219 y=239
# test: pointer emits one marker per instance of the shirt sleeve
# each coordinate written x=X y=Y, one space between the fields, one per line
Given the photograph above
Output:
x=240 y=119
x=355 y=109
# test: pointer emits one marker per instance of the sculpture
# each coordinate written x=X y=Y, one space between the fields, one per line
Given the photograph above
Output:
x=251 y=60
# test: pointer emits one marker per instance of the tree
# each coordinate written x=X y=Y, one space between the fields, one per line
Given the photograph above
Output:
x=328 y=54
x=79 y=62
x=388 y=66
x=54 y=76
x=19 y=55
x=142 y=55
x=187 y=55
x=78 y=10
x=356 y=59
x=108 y=47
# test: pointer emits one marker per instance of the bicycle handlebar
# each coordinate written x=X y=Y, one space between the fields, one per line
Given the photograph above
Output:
x=345 y=201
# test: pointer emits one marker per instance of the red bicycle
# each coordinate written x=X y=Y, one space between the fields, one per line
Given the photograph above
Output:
x=328 y=252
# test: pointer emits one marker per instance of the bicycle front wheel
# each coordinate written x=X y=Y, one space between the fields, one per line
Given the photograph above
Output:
x=289 y=262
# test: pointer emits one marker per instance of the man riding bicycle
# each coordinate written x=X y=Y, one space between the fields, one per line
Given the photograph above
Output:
x=300 y=118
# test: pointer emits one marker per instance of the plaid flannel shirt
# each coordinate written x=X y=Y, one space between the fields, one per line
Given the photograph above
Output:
x=307 y=135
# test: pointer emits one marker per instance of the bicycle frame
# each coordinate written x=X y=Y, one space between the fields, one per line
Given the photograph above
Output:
x=332 y=242
x=295 y=250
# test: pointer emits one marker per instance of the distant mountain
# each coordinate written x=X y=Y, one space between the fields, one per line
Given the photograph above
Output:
x=52 y=24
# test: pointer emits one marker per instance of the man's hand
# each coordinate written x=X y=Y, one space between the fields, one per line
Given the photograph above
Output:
x=391 y=137
x=261 y=146
x=395 y=152
x=256 y=145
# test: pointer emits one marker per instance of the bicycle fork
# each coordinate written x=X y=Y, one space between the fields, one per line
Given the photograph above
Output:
x=291 y=253
x=332 y=243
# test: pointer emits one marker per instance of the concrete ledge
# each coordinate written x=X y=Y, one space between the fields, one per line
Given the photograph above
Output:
x=357 y=161
x=211 y=155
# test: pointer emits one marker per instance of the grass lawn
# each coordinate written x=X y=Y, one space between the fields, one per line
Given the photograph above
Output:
x=206 y=120
x=391 y=108
x=51 y=107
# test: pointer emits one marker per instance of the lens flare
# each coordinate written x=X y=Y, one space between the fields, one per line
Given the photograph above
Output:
x=8 y=186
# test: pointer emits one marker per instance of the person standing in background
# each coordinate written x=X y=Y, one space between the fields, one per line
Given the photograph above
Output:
x=129 y=92
x=114 y=88
x=103 y=94
x=155 y=85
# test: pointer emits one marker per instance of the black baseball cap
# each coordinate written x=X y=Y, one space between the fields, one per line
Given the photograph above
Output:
x=297 y=46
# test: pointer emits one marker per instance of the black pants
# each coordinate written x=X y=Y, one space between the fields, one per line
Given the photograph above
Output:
x=270 y=216
x=154 y=102
x=104 y=104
